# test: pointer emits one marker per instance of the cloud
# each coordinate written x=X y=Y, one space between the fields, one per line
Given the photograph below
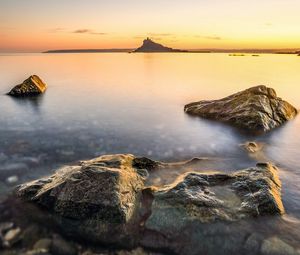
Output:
x=162 y=34
x=56 y=30
x=212 y=37
x=81 y=31
x=87 y=31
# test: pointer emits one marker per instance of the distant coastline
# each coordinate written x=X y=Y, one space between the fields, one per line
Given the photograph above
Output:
x=87 y=50
x=149 y=46
x=246 y=51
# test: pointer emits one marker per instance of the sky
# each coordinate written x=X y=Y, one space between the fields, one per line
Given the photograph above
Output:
x=36 y=25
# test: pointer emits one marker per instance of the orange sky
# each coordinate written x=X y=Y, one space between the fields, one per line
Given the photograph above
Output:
x=34 y=25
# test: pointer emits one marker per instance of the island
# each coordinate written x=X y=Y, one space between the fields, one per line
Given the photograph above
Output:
x=151 y=46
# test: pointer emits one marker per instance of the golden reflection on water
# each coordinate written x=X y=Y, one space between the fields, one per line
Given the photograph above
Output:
x=172 y=77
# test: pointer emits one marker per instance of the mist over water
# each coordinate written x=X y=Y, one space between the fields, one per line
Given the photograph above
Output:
x=133 y=103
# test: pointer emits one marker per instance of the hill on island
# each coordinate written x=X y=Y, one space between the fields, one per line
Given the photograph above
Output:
x=151 y=46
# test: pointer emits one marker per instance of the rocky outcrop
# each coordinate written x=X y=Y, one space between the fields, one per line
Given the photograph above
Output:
x=30 y=87
x=97 y=200
x=257 y=109
x=151 y=46
x=213 y=197
x=210 y=213
x=106 y=200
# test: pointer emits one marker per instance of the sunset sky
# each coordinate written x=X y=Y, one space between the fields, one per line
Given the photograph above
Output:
x=35 y=25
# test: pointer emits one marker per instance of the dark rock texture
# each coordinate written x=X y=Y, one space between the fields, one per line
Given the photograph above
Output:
x=151 y=46
x=256 y=109
x=211 y=197
x=97 y=200
x=30 y=87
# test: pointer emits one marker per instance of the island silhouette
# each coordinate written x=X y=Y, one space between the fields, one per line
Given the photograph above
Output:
x=149 y=46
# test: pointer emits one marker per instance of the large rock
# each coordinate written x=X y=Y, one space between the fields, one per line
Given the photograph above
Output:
x=210 y=213
x=97 y=200
x=256 y=109
x=30 y=87
x=247 y=193
x=106 y=200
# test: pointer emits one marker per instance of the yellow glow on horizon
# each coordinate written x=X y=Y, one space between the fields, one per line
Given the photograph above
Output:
x=35 y=26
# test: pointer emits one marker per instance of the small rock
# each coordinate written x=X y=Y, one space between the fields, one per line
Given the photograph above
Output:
x=43 y=244
x=38 y=252
x=62 y=247
x=31 y=235
x=253 y=243
x=137 y=251
x=30 y=87
x=12 y=236
x=252 y=147
x=12 y=179
x=275 y=246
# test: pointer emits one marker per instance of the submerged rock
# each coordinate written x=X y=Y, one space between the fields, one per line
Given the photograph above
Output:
x=212 y=213
x=30 y=87
x=213 y=197
x=257 y=109
x=275 y=246
x=252 y=147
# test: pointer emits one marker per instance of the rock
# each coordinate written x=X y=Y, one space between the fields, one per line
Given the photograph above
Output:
x=208 y=198
x=255 y=151
x=30 y=87
x=256 y=109
x=137 y=251
x=12 y=179
x=12 y=237
x=275 y=246
x=253 y=243
x=38 y=252
x=145 y=163
x=252 y=147
x=43 y=244
x=4 y=228
x=97 y=200
x=31 y=235
x=151 y=46
x=105 y=201
x=62 y=247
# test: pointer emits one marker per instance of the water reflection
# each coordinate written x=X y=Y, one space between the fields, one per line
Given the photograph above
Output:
x=126 y=103
x=33 y=102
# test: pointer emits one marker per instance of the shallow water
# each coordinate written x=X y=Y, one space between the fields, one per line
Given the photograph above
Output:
x=133 y=103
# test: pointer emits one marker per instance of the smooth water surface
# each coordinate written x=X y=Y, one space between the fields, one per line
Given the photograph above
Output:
x=133 y=103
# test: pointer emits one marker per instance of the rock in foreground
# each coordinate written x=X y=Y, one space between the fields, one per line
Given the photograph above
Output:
x=106 y=200
x=30 y=87
x=257 y=109
x=97 y=200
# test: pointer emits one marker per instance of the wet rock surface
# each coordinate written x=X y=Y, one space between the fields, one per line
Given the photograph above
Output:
x=96 y=200
x=30 y=87
x=107 y=201
x=257 y=109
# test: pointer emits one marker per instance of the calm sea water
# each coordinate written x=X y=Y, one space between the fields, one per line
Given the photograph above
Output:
x=133 y=103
